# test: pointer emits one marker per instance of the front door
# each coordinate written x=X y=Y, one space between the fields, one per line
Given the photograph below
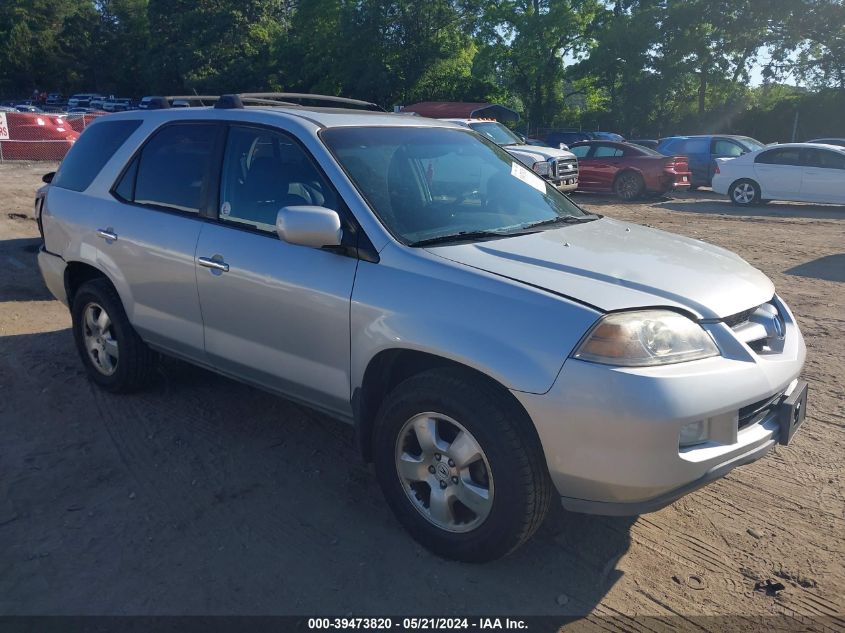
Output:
x=275 y=313
x=824 y=176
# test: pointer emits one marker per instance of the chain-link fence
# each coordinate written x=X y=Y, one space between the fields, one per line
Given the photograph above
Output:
x=40 y=136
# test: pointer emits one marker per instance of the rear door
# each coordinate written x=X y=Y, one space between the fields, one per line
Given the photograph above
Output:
x=275 y=313
x=823 y=178
x=779 y=172
x=152 y=235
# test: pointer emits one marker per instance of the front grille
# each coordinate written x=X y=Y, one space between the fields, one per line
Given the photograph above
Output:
x=739 y=318
x=757 y=411
x=761 y=328
x=564 y=168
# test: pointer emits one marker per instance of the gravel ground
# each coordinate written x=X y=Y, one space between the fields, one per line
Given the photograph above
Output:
x=205 y=496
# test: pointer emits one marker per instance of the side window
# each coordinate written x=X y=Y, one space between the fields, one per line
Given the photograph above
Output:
x=580 y=151
x=781 y=156
x=824 y=159
x=91 y=152
x=694 y=146
x=125 y=189
x=607 y=151
x=264 y=171
x=172 y=167
x=722 y=147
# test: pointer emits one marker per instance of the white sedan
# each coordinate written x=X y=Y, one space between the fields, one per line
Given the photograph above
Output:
x=803 y=172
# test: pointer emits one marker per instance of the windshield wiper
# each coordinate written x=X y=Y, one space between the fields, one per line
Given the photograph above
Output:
x=465 y=236
x=564 y=219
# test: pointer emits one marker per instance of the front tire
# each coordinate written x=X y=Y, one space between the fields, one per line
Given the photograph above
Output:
x=744 y=193
x=460 y=465
x=113 y=354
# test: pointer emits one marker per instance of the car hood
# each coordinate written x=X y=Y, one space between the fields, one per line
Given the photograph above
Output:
x=613 y=265
x=537 y=153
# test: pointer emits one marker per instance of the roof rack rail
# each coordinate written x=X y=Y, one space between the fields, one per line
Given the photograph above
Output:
x=200 y=98
x=289 y=99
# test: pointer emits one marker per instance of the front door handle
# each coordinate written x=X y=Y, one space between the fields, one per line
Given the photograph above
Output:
x=107 y=234
x=208 y=262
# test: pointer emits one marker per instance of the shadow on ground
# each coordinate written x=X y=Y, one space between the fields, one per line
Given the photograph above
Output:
x=21 y=282
x=829 y=268
x=202 y=495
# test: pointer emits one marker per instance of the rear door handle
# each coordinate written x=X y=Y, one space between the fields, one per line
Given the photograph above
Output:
x=208 y=262
x=107 y=234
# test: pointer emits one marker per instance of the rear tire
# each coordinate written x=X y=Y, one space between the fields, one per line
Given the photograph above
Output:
x=629 y=185
x=744 y=193
x=113 y=354
x=443 y=437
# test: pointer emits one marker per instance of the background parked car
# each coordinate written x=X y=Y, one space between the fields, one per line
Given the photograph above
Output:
x=81 y=100
x=628 y=170
x=152 y=103
x=650 y=143
x=117 y=105
x=703 y=150
x=36 y=137
x=829 y=141
x=803 y=172
x=558 y=166
x=607 y=136
x=97 y=102
x=28 y=108
x=55 y=99
x=567 y=137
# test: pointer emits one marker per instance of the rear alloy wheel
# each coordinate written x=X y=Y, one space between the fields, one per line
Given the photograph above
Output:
x=629 y=185
x=745 y=193
x=460 y=464
x=113 y=354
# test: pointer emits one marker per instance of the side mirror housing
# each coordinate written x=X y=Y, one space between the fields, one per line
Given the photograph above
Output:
x=48 y=177
x=308 y=225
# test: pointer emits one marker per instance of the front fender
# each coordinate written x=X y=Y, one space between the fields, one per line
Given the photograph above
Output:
x=515 y=334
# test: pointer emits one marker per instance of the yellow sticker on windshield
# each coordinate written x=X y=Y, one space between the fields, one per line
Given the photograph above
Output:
x=528 y=177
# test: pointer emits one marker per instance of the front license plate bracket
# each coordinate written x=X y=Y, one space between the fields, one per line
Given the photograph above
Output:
x=792 y=412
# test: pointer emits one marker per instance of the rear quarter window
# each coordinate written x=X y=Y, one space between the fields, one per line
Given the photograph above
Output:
x=92 y=150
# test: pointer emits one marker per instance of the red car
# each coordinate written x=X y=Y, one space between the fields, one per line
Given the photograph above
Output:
x=628 y=170
x=34 y=136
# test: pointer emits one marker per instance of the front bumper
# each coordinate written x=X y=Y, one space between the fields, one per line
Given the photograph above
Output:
x=611 y=434
x=565 y=185
x=53 y=271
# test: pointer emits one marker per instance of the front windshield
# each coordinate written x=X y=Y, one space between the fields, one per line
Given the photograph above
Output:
x=496 y=132
x=750 y=143
x=427 y=183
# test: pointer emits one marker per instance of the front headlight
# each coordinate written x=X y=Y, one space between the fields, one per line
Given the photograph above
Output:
x=541 y=168
x=646 y=337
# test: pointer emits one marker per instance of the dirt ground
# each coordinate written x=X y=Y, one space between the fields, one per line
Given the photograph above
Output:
x=204 y=496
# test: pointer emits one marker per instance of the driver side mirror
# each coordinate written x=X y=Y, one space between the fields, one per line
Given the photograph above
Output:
x=307 y=225
x=48 y=177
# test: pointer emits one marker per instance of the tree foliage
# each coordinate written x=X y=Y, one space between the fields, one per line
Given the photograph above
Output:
x=636 y=66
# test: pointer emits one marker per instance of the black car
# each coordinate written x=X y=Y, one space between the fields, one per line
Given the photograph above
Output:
x=650 y=143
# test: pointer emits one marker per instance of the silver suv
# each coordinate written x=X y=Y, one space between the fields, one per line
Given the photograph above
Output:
x=494 y=345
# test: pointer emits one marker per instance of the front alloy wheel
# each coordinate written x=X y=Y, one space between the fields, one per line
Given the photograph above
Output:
x=444 y=472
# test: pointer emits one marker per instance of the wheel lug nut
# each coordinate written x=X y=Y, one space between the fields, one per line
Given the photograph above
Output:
x=442 y=484
x=454 y=480
x=437 y=456
x=431 y=469
x=451 y=463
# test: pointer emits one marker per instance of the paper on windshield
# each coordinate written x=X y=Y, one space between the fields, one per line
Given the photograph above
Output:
x=528 y=177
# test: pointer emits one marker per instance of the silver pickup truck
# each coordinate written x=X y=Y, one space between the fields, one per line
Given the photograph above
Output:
x=558 y=166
